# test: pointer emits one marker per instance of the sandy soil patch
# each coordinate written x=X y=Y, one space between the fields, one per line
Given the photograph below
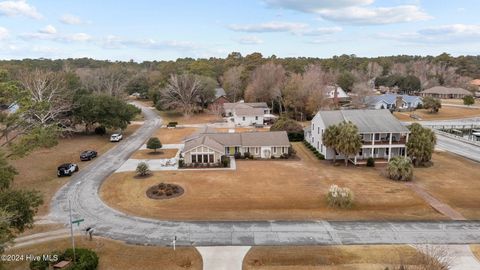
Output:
x=150 y=154
x=329 y=257
x=174 y=135
x=476 y=251
x=445 y=113
x=116 y=255
x=198 y=118
x=269 y=190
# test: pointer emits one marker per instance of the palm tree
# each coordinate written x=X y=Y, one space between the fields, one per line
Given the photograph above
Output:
x=349 y=141
x=421 y=144
x=400 y=169
x=330 y=139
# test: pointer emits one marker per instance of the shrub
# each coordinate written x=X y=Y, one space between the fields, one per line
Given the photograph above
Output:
x=86 y=259
x=247 y=155
x=370 y=162
x=154 y=144
x=143 y=169
x=39 y=265
x=172 y=124
x=400 y=169
x=181 y=163
x=468 y=100
x=296 y=136
x=225 y=161
x=339 y=197
x=101 y=130
x=237 y=155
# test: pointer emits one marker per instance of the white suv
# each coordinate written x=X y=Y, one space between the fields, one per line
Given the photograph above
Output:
x=116 y=137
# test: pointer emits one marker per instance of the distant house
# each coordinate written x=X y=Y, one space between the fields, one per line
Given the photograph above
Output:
x=445 y=92
x=9 y=108
x=393 y=101
x=220 y=99
x=210 y=147
x=247 y=114
x=341 y=94
x=383 y=136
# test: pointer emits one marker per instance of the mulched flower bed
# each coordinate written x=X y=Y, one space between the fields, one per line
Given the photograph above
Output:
x=164 y=191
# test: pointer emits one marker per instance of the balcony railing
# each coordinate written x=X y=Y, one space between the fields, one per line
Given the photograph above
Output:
x=402 y=140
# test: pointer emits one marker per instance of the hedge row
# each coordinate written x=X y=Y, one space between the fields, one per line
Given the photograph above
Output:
x=314 y=150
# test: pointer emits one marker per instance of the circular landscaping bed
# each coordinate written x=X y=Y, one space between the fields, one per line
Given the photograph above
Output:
x=164 y=191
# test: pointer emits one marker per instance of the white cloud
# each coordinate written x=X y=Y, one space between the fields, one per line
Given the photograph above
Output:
x=249 y=40
x=3 y=33
x=269 y=27
x=115 y=42
x=49 y=29
x=381 y=15
x=454 y=33
x=78 y=37
x=19 y=8
x=70 y=19
x=313 y=6
x=321 y=31
x=50 y=33
x=354 y=11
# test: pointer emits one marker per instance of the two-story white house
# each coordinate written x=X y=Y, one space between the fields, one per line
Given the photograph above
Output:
x=383 y=136
x=247 y=114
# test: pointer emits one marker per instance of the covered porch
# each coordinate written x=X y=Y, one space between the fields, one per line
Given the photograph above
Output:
x=379 y=154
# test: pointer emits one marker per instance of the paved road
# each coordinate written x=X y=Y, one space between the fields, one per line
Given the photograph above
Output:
x=458 y=147
x=83 y=188
x=449 y=144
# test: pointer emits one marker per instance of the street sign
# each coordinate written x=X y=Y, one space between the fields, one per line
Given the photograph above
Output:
x=78 y=221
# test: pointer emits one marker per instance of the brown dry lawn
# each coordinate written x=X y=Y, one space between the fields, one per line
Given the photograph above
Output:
x=453 y=180
x=459 y=102
x=38 y=170
x=150 y=154
x=115 y=255
x=329 y=257
x=269 y=190
x=476 y=251
x=174 y=135
x=445 y=113
x=198 y=118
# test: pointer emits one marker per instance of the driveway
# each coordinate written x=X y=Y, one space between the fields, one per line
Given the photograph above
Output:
x=82 y=191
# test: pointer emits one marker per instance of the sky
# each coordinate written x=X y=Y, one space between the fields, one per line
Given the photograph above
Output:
x=168 y=29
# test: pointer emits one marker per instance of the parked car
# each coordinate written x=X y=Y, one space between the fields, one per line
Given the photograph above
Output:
x=67 y=169
x=116 y=137
x=88 y=155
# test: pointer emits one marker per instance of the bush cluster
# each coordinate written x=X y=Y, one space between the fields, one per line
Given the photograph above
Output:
x=86 y=259
x=339 y=197
x=370 y=162
x=225 y=161
x=314 y=150
x=101 y=130
x=172 y=124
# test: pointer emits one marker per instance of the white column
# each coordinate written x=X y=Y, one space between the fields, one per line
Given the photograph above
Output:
x=373 y=144
x=390 y=147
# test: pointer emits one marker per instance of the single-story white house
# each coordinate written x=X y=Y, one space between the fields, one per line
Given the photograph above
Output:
x=392 y=101
x=210 y=147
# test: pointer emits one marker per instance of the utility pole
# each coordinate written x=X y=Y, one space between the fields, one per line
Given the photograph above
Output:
x=71 y=232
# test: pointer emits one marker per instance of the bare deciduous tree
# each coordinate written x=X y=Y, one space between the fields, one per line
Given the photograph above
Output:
x=48 y=94
x=232 y=83
x=359 y=92
x=266 y=83
x=110 y=80
x=181 y=92
x=315 y=82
